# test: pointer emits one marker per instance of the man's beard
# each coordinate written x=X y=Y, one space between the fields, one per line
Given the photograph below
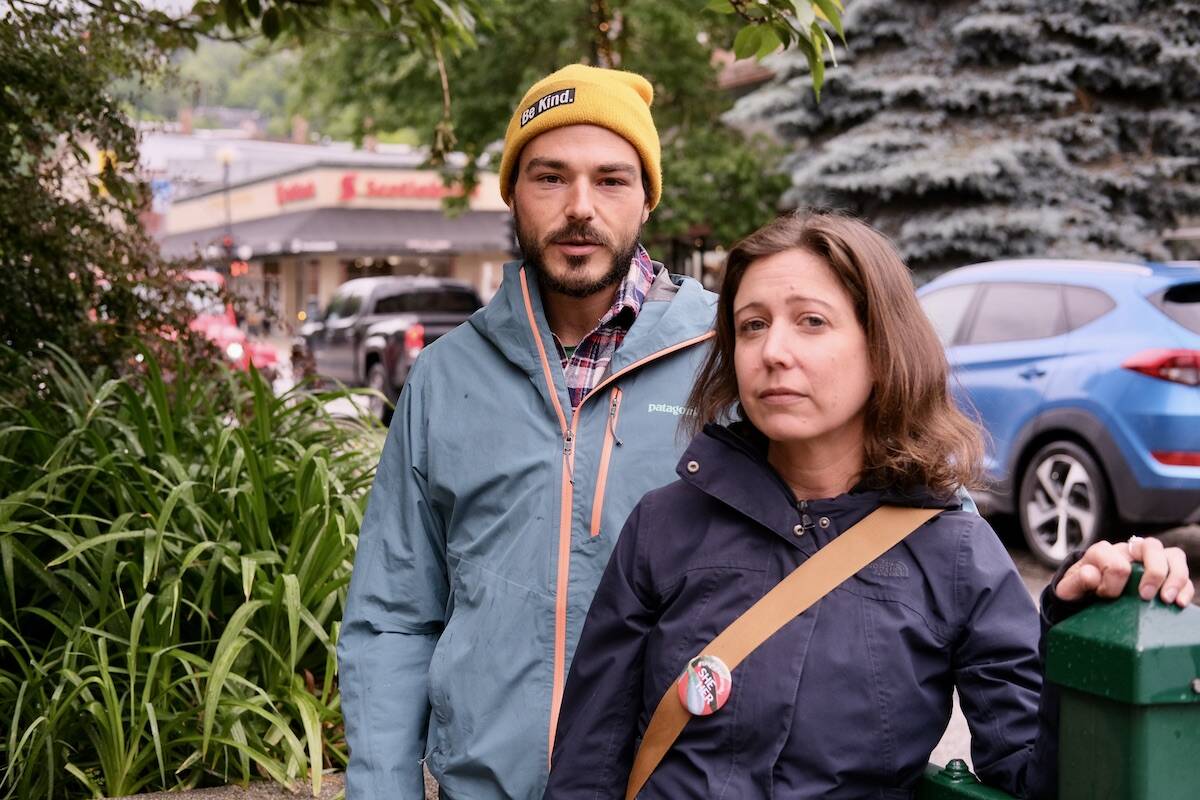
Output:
x=570 y=284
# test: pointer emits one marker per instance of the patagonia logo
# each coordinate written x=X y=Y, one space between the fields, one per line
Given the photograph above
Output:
x=665 y=408
x=554 y=100
x=887 y=568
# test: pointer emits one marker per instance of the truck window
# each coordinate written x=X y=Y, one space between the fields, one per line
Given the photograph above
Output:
x=453 y=301
x=342 y=306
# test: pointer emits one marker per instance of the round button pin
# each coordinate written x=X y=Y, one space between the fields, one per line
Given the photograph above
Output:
x=705 y=685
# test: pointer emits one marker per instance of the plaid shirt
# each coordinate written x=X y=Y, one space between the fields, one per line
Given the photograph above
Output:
x=587 y=365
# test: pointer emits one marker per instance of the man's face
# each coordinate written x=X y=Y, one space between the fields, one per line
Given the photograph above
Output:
x=579 y=207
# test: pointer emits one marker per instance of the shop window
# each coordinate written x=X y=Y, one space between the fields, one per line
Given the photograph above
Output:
x=366 y=267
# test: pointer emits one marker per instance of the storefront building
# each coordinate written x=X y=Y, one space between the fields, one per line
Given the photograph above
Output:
x=288 y=240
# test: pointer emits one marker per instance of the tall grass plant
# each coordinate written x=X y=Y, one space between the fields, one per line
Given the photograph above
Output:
x=174 y=557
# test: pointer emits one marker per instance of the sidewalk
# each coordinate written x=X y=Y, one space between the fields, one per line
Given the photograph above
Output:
x=331 y=785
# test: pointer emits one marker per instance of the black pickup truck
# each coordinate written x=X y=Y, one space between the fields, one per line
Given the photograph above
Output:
x=374 y=328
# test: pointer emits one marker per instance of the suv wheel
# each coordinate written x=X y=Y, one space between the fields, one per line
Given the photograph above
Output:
x=378 y=382
x=1064 y=502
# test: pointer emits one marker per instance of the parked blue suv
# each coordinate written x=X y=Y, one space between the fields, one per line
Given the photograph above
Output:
x=1086 y=376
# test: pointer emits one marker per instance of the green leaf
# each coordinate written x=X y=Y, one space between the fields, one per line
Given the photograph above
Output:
x=720 y=6
x=374 y=9
x=805 y=15
x=233 y=13
x=294 y=607
x=249 y=568
x=816 y=65
x=227 y=651
x=271 y=23
x=310 y=717
x=747 y=41
x=770 y=42
x=833 y=13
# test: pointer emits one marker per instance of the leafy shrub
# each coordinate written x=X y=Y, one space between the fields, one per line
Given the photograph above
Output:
x=174 y=557
x=77 y=269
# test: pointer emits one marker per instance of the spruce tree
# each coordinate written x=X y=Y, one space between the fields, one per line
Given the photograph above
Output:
x=978 y=130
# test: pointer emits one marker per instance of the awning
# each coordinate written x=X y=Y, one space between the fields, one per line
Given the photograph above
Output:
x=350 y=230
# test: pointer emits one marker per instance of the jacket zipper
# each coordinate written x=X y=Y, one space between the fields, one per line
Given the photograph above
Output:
x=567 y=499
x=806 y=524
x=610 y=438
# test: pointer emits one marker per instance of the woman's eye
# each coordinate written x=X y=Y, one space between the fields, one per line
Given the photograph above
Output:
x=752 y=325
x=812 y=321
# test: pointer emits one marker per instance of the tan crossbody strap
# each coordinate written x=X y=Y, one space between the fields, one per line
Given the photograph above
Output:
x=830 y=566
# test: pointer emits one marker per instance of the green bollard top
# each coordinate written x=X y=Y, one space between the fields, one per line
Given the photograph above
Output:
x=1129 y=650
x=955 y=782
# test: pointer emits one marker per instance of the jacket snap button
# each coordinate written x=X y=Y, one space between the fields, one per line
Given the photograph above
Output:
x=823 y=522
x=798 y=530
x=693 y=467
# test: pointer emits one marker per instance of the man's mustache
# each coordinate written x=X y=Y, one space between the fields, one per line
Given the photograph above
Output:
x=579 y=232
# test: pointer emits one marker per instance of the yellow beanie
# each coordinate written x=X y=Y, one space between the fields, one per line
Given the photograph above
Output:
x=581 y=95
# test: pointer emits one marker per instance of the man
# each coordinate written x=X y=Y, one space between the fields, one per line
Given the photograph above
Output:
x=520 y=443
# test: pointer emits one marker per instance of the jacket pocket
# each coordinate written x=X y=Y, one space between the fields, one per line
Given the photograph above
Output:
x=610 y=438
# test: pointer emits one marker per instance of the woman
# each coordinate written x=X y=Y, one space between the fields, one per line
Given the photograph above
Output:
x=840 y=386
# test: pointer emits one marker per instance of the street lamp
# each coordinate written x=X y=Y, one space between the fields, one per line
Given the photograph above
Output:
x=227 y=155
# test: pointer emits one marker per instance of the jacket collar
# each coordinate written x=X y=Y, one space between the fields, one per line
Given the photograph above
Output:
x=675 y=310
x=730 y=465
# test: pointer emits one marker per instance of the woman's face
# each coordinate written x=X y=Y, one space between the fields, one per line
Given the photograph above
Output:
x=800 y=354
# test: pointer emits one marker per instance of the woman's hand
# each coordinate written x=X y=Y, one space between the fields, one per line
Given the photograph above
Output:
x=1105 y=566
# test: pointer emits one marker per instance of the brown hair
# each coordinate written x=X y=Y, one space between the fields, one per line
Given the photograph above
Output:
x=915 y=435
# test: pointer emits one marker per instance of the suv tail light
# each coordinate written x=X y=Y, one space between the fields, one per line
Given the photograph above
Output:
x=1177 y=366
x=414 y=340
x=1176 y=458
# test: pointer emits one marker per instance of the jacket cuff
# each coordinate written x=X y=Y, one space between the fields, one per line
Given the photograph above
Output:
x=1055 y=609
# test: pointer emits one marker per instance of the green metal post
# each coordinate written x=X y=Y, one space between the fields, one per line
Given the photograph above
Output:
x=1129 y=672
x=955 y=782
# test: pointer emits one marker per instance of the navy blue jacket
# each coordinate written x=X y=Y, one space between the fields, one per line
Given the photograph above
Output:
x=848 y=699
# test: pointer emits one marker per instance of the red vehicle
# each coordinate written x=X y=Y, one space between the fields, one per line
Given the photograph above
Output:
x=216 y=321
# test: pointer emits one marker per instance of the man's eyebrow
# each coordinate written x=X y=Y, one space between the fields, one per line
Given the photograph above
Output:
x=545 y=163
x=617 y=166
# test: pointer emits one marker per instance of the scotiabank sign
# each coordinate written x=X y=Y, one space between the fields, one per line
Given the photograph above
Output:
x=353 y=186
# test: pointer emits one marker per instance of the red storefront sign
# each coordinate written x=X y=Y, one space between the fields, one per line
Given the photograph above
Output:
x=409 y=189
x=295 y=192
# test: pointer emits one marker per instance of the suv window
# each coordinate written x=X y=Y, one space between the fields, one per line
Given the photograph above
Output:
x=1182 y=304
x=1085 y=304
x=1013 y=312
x=450 y=301
x=946 y=309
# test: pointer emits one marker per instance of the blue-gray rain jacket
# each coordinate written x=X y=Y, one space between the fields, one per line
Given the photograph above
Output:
x=494 y=511
x=845 y=701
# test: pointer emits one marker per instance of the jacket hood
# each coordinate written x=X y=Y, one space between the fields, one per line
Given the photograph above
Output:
x=675 y=310
x=730 y=464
